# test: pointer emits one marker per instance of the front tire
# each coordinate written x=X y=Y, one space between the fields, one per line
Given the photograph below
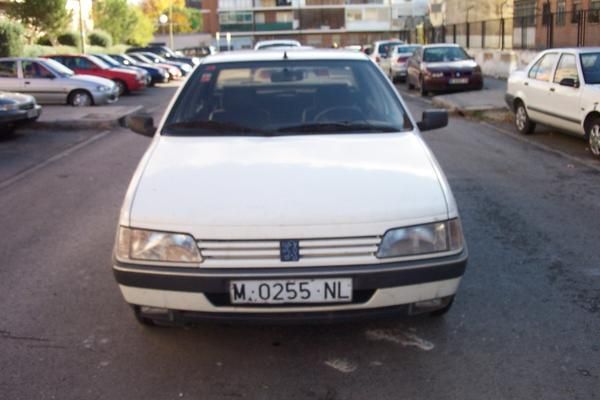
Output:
x=593 y=135
x=523 y=123
x=121 y=86
x=80 y=98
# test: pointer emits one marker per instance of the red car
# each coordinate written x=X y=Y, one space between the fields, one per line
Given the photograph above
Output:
x=126 y=80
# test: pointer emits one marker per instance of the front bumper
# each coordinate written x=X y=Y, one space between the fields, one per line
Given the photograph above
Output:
x=20 y=116
x=101 y=98
x=205 y=294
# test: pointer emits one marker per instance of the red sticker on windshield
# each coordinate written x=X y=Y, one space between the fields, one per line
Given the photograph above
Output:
x=211 y=67
x=205 y=77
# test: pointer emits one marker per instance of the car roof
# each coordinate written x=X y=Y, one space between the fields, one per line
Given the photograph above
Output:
x=574 y=49
x=277 y=41
x=291 y=54
x=432 y=46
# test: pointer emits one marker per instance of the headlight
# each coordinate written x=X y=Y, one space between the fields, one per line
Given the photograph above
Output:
x=422 y=239
x=195 y=60
x=145 y=245
x=9 y=107
x=103 y=88
x=437 y=74
x=186 y=67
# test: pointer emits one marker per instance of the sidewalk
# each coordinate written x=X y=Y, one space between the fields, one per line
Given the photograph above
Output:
x=96 y=117
x=491 y=98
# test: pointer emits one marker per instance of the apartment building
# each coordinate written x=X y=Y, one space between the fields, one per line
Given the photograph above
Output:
x=319 y=22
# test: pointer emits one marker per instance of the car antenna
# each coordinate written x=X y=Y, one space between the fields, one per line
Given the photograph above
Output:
x=285 y=57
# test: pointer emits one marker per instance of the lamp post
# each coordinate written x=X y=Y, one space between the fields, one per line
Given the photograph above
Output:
x=228 y=36
x=81 y=28
x=171 y=44
x=218 y=37
x=468 y=27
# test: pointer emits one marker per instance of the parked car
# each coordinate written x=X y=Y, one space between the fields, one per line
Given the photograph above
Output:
x=280 y=43
x=167 y=54
x=50 y=82
x=157 y=74
x=115 y=64
x=443 y=67
x=15 y=110
x=380 y=52
x=126 y=80
x=174 y=72
x=560 y=88
x=399 y=61
x=183 y=67
x=303 y=189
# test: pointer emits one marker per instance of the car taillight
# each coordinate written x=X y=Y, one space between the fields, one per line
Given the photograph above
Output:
x=402 y=60
x=377 y=59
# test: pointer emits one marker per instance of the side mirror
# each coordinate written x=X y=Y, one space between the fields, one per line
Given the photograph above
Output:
x=141 y=123
x=569 y=82
x=433 y=119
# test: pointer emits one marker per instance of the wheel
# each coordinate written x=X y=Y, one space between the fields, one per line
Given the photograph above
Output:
x=523 y=124
x=422 y=91
x=121 y=87
x=409 y=83
x=593 y=135
x=80 y=98
x=442 y=311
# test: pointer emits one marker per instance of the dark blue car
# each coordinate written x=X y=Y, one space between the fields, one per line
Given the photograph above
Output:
x=157 y=74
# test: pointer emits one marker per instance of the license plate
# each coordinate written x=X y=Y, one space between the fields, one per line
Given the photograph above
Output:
x=332 y=290
x=31 y=113
x=458 y=81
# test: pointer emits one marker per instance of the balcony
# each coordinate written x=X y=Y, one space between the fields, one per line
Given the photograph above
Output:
x=275 y=26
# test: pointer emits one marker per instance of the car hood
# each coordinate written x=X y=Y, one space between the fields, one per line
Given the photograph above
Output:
x=212 y=187
x=10 y=98
x=95 y=80
x=463 y=65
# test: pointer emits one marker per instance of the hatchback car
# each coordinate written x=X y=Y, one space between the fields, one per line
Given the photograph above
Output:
x=126 y=80
x=399 y=61
x=560 y=88
x=174 y=72
x=381 y=50
x=157 y=74
x=443 y=67
x=50 y=82
x=288 y=185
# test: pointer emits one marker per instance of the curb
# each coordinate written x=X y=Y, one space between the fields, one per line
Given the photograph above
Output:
x=97 y=124
x=464 y=111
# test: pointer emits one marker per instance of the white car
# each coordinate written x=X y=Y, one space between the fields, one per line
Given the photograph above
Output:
x=560 y=88
x=399 y=61
x=381 y=52
x=288 y=185
x=271 y=44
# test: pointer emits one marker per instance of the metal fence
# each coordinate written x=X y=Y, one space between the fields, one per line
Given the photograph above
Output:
x=560 y=29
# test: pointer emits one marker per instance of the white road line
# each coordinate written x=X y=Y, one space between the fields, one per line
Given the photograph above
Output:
x=542 y=146
x=6 y=183
x=342 y=365
x=400 y=337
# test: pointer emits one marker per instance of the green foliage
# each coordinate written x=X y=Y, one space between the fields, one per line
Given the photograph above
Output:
x=48 y=16
x=100 y=38
x=69 y=39
x=36 y=50
x=44 y=41
x=11 y=38
x=195 y=18
x=125 y=22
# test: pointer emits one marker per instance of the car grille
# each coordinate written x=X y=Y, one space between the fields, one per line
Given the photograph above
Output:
x=311 y=251
x=26 y=106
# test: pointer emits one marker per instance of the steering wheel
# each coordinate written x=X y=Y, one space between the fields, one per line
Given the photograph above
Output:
x=329 y=114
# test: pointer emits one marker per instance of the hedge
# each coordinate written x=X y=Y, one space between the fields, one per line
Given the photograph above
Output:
x=69 y=39
x=11 y=38
x=100 y=38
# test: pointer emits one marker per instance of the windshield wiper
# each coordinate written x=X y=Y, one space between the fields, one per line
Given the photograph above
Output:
x=333 y=127
x=189 y=128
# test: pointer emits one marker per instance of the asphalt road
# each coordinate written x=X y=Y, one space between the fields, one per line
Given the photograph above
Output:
x=525 y=324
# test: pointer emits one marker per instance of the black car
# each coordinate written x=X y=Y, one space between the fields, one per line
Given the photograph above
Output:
x=165 y=53
x=17 y=109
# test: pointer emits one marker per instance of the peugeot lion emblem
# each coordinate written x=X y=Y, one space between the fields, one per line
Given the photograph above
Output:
x=289 y=250
x=458 y=74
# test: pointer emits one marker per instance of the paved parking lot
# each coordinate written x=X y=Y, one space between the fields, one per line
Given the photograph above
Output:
x=525 y=324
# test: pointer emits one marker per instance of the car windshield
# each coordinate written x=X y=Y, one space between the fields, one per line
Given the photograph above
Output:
x=384 y=48
x=59 y=68
x=142 y=58
x=109 y=60
x=126 y=57
x=444 y=54
x=274 y=45
x=273 y=98
x=155 y=57
x=406 y=49
x=99 y=62
x=590 y=64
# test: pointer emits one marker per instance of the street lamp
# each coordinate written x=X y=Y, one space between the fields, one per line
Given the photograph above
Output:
x=218 y=37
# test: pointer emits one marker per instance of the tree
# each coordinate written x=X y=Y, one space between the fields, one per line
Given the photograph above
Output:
x=155 y=8
x=44 y=16
x=196 y=19
x=125 y=22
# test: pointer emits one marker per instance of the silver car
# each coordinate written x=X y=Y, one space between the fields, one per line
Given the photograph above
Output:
x=50 y=82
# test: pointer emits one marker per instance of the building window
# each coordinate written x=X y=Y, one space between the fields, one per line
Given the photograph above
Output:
x=228 y=18
x=259 y=18
x=575 y=13
x=594 y=12
x=284 y=17
x=560 y=12
x=525 y=13
x=354 y=15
